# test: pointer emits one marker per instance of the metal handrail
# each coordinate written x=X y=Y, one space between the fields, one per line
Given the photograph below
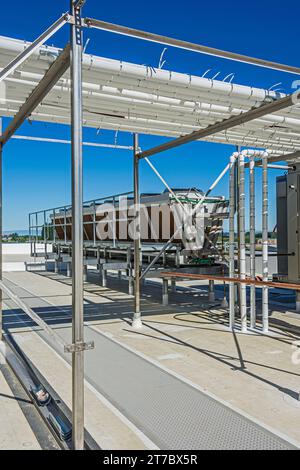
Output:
x=36 y=318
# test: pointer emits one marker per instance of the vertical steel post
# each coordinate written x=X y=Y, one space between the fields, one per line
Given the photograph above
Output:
x=231 y=241
x=242 y=246
x=65 y=224
x=77 y=230
x=1 y=229
x=211 y=291
x=252 y=239
x=36 y=233
x=265 y=290
x=165 y=292
x=94 y=223
x=137 y=321
x=29 y=234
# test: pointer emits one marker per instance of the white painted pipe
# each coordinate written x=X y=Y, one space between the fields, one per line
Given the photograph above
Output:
x=147 y=128
x=139 y=72
x=195 y=108
x=252 y=240
x=242 y=246
x=231 y=241
x=265 y=290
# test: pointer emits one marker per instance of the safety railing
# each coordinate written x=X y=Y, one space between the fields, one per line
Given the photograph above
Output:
x=43 y=224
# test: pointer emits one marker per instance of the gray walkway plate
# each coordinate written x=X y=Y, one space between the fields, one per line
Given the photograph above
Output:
x=172 y=413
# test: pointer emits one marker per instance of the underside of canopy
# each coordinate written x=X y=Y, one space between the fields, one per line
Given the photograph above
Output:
x=135 y=98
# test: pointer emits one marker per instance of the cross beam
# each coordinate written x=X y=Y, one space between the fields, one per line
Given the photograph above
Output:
x=146 y=36
x=224 y=125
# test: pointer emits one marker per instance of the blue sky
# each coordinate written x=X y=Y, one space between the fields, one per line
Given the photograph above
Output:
x=37 y=175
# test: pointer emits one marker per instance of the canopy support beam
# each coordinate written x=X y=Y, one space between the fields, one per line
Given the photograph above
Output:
x=189 y=46
x=224 y=125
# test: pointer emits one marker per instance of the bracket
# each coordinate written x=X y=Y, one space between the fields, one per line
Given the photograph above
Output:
x=79 y=346
x=79 y=3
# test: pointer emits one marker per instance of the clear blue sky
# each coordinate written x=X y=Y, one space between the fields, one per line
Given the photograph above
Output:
x=37 y=176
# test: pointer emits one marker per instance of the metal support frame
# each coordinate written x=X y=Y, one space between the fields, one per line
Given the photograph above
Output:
x=231 y=241
x=211 y=291
x=77 y=231
x=252 y=239
x=165 y=292
x=137 y=322
x=242 y=245
x=200 y=202
x=265 y=290
x=62 y=141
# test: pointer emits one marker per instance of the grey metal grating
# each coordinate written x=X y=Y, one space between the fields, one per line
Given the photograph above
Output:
x=173 y=414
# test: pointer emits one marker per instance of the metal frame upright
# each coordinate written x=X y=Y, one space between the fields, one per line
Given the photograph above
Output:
x=77 y=227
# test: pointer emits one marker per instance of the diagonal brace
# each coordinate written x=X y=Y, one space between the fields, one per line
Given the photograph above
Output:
x=24 y=55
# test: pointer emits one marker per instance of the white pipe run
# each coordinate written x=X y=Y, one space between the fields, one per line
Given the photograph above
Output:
x=252 y=239
x=148 y=126
x=231 y=241
x=182 y=126
x=265 y=255
x=12 y=46
x=242 y=245
x=249 y=132
x=144 y=128
x=155 y=113
x=147 y=102
x=140 y=72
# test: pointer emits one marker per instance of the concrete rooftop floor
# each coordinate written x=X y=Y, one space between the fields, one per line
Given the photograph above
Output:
x=251 y=373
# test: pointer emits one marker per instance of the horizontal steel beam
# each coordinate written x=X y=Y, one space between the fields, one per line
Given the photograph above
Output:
x=258 y=164
x=51 y=77
x=33 y=46
x=224 y=125
x=62 y=141
x=146 y=36
x=288 y=157
x=238 y=280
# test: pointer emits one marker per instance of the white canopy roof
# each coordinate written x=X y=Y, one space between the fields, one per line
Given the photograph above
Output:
x=128 y=97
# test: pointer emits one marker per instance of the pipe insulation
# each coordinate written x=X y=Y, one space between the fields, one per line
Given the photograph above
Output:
x=129 y=97
x=241 y=238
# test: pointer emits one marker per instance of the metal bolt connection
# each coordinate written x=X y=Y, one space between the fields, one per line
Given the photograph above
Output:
x=77 y=17
x=79 y=346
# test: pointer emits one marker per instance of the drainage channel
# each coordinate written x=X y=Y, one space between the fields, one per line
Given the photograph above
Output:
x=20 y=371
x=54 y=413
x=38 y=426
